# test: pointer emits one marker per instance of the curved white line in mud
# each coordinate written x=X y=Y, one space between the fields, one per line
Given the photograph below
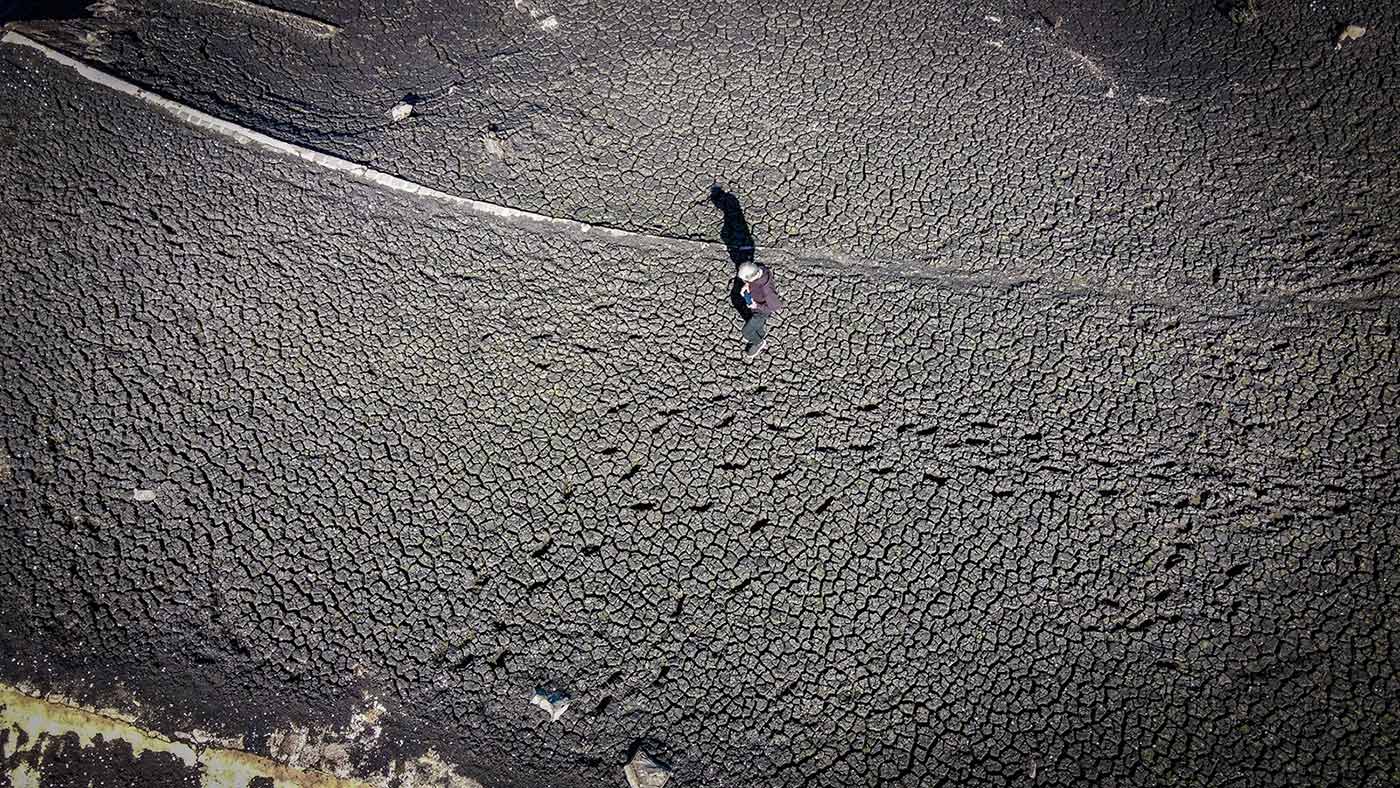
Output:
x=246 y=136
x=945 y=270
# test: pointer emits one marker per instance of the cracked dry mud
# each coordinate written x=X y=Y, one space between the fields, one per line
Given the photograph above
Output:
x=1084 y=143
x=276 y=440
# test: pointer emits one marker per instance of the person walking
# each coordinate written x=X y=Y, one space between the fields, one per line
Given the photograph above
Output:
x=761 y=300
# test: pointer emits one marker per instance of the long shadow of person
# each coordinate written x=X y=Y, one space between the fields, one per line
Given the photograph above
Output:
x=735 y=233
x=739 y=240
x=751 y=290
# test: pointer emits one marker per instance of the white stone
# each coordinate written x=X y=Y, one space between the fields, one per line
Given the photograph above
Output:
x=552 y=701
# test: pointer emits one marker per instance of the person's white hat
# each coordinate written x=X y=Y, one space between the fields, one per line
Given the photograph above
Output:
x=749 y=272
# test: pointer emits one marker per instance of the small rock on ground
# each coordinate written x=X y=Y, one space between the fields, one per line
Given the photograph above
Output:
x=644 y=772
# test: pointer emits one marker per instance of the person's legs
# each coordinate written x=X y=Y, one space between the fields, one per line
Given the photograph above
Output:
x=755 y=334
x=756 y=328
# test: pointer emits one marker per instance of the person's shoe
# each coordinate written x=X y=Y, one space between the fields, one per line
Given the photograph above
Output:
x=752 y=348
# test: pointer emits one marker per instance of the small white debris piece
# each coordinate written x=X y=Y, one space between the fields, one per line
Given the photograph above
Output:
x=400 y=111
x=364 y=726
x=552 y=701
x=143 y=495
x=1350 y=33
x=644 y=772
x=548 y=22
x=497 y=145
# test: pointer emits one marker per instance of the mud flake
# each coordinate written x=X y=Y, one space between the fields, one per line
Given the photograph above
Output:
x=1349 y=33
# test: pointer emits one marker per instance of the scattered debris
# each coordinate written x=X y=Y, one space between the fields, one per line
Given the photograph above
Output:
x=400 y=111
x=547 y=22
x=1349 y=33
x=1241 y=12
x=364 y=728
x=552 y=701
x=143 y=495
x=429 y=771
x=45 y=731
x=497 y=146
x=646 y=772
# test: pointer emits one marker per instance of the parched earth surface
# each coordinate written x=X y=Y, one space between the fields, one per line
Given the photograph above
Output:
x=1072 y=459
x=1146 y=146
